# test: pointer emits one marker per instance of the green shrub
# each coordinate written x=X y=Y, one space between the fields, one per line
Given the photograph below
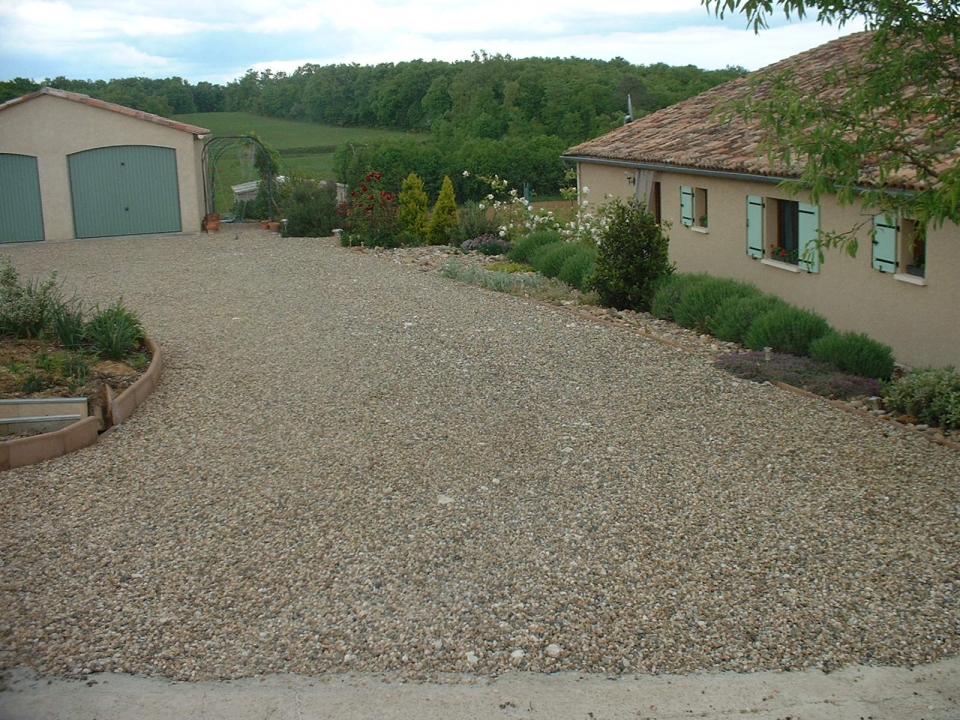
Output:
x=549 y=259
x=578 y=267
x=309 y=207
x=699 y=303
x=735 y=315
x=444 y=219
x=473 y=222
x=930 y=395
x=854 y=353
x=408 y=239
x=412 y=210
x=115 y=331
x=668 y=291
x=631 y=257
x=787 y=330
x=523 y=249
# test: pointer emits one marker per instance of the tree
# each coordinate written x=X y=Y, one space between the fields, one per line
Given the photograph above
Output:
x=443 y=220
x=890 y=139
x=412 y=213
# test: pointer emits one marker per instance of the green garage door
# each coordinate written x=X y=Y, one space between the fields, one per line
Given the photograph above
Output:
x=20 y=199
x=124 y=190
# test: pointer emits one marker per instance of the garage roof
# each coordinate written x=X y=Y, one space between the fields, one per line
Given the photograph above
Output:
x=103 y=105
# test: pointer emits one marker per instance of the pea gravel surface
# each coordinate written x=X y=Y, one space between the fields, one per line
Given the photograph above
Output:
x=353 y=465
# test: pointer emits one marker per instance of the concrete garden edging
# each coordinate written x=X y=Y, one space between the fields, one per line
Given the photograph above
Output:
x=84 y=433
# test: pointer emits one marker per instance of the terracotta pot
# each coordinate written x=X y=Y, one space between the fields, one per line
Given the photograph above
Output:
x=213 y=226
x=273 y=225
x=264 y=225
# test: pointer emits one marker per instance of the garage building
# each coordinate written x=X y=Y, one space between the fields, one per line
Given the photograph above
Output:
x=72 y=166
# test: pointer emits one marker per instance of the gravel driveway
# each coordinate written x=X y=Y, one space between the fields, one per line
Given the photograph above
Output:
x=356 y=465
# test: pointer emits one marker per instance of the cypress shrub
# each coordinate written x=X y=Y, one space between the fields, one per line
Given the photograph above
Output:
x=735 y=315
x=412 y=209
x=854 y=353
x=786 y=329
x=523 y=250
x=699 y=303
x=443 y=221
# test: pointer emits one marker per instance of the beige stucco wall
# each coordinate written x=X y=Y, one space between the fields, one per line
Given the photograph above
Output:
x=920 y=323
x=51 y=128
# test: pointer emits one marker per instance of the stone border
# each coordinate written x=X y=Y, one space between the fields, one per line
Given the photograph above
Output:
x=86 y=432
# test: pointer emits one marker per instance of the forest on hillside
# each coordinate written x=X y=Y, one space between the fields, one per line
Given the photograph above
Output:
x=492 y=114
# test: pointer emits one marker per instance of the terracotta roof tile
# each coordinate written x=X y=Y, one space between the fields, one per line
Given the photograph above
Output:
x=688 y=134
x=103 y=105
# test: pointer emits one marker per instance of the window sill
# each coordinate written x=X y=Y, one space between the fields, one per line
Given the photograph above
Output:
x=702 y=230
x=911 y=279
x=780 y=265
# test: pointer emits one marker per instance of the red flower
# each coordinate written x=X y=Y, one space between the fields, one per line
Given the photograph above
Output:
x=378 y=175
x=363 y=187
x=353 y=192
x=783 y=253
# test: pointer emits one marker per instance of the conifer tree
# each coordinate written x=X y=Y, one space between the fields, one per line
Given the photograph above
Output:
x=412 y=213
x=444 y=219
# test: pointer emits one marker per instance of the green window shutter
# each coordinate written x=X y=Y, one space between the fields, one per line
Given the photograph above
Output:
x=755 y=226
x=686 y=205
x=885 y=228
x=808 y=231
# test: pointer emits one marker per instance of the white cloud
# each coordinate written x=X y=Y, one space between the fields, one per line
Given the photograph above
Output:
x=118 y=38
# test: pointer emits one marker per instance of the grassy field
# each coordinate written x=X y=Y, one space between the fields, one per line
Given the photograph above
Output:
x=304 y=147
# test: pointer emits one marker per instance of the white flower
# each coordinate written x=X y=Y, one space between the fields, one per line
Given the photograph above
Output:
x=490 y=196
x=482 y=206
x=585 y=190
x=503 y=233
x=466 y=173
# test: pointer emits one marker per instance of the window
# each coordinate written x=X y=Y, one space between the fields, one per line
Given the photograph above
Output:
x=655 y=203
x=693 y=207
x=899 y=246
x=783 y=232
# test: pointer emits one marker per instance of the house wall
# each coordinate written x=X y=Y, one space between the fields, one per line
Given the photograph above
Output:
x=51 y=128
x=920 y=322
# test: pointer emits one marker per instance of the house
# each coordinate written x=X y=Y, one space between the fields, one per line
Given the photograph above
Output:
x=75 y=167
x=728 y=216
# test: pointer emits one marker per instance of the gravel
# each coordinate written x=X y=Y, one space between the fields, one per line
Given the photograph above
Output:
x=355 y=465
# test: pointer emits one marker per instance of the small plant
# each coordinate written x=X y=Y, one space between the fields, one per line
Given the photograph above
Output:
x=631 y=257
x=16 y=368
x=579 y=267
x=523 y=249
x=854 y=353
x=930 y=395
x=474 y=221
x=34 y=383
x=75 y=367
x=486 y=245
x=701 y=301
x=733 y=318
x=26 y=310
x=48 y=363
x=805 y=373
x=517 y=283
x=787 y=330
x=443 y=221
x=139 y=362
x=549 y=259
x=69 y=325
x=115 y=331
x=668 y=292
x=510 y=267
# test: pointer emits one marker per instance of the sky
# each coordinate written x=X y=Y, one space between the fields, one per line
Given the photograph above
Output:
x=218 y=41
